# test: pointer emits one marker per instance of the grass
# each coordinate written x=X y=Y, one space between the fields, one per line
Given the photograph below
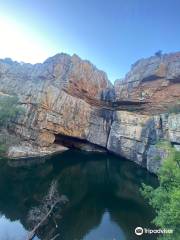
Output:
x=157 y=158
x=3 y=148
x=164 y=144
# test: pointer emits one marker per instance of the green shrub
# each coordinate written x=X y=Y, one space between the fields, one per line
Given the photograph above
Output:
x=3 y=148
x=9 y=110
x=157 y=157
x=165 y=199
x=163 y=144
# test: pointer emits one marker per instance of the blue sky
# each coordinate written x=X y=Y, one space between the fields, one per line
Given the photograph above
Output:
x=112 y=34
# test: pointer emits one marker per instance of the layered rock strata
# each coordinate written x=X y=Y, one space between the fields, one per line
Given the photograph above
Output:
x=154 y=81
x=69 y=97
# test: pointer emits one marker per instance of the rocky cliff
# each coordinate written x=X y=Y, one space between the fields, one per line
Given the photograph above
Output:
x=154 y=81
x=68 y=101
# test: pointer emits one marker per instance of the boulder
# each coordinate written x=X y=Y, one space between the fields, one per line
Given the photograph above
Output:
x=24 y=151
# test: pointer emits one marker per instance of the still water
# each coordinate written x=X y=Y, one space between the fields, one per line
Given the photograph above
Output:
x=103 y=192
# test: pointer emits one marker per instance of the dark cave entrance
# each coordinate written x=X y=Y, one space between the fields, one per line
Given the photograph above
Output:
x=76 y=143
x=71 y=142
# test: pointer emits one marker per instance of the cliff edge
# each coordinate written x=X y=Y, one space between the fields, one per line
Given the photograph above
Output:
x=68 y=101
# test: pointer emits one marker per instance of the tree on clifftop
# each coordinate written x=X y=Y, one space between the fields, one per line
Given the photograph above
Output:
x=158 y=53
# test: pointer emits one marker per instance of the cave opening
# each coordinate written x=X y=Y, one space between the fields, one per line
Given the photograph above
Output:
x=68 y=141
x=76 y=143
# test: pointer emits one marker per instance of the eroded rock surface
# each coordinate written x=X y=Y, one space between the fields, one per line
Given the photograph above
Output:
x=67 y=96
x=60 y=96
x=153 y=80
x=135 y=137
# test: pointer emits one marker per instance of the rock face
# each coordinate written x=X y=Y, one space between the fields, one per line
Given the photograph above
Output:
x=134 y=136
x=154 y=80
x=131 y=134
x=60 y=97
x=29 y=151
x=69 y=97
x=155 y=156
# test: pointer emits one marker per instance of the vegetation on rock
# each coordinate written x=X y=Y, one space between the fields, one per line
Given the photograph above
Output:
x=165 y=199
x=158 y=53
x=163 y=144
x=174 y=108
x=9 y=109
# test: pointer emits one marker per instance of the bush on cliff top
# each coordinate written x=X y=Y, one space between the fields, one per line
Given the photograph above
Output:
x=165 y=199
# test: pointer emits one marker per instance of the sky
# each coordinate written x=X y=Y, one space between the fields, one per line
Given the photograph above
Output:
x=112 y=34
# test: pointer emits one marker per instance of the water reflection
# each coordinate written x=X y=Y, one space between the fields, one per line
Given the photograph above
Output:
x=108 y=229
x=11 y=230
x=103 y=192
